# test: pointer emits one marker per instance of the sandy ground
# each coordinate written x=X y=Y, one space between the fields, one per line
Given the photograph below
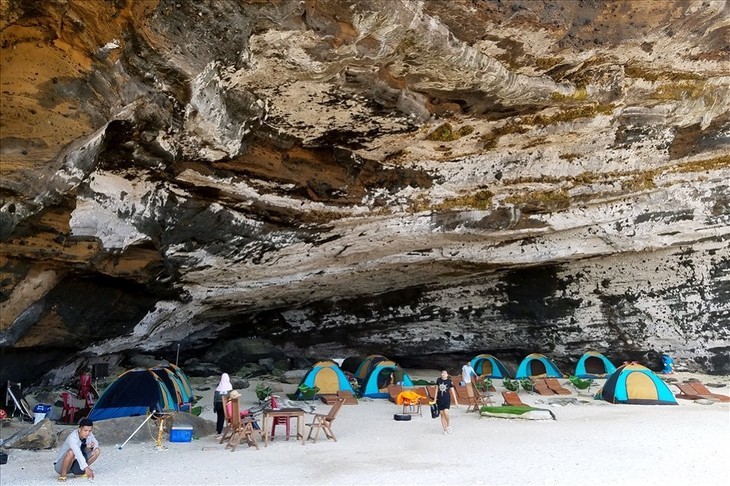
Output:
x=591 y=443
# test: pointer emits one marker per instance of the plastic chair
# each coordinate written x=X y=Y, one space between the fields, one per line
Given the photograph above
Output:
x=285 y=421
x=69 y=408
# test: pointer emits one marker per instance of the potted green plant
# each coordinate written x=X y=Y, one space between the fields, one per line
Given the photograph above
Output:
x=263 y=392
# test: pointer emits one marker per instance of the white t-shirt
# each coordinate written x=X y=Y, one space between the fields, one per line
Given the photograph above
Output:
x=466 y=372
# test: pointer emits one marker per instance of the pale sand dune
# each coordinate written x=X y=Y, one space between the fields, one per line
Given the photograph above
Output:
x=593 y=443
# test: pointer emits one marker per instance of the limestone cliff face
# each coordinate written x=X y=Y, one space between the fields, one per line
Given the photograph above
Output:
x=415 y=178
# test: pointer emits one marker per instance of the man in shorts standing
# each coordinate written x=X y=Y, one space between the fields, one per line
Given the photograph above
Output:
x=78 y=452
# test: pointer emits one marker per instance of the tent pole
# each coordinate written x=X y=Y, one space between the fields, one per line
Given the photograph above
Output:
x=177 y=356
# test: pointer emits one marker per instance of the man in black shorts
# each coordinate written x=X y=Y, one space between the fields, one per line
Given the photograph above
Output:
x=78 y=452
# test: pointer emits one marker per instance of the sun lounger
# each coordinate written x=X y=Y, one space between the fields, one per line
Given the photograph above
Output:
x=513 y=399
x=328 y=398
x=555 y=386
x=393 y=392
x=541 y=388
x=703 y=392
x=686 y=392
x=348 y=397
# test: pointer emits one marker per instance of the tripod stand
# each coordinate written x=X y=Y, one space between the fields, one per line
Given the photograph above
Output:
x=161 y=417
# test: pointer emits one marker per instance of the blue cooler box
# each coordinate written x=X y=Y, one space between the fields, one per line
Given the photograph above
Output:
x=40 y=411
x=181 y=433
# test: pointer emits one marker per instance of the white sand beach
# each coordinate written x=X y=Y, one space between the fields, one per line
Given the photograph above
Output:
x=593 y=442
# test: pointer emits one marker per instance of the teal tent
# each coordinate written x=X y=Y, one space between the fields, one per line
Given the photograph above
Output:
x=134 y=392
x=537 y=364
x=594 y=365
x=636 y=384
x=384 y=373
x=488 y=366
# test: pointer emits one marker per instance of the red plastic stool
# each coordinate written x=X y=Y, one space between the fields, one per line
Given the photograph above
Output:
x=279 y=420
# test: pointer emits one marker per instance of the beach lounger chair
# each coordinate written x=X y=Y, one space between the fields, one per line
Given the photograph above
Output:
x=324 y=422
x=541 y=388
x=686 y=392
x=14 y=393
x=580 y=384
x=393 y=392
x=481 y=398
x=555 y=386
x=348 y=397
x=703 y=392
x=328 y=398
x=513 y=399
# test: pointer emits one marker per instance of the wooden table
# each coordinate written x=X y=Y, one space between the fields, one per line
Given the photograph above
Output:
x=288 y=413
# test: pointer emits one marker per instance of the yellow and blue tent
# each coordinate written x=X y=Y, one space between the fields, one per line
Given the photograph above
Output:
x=635 y=384
x=328 y=377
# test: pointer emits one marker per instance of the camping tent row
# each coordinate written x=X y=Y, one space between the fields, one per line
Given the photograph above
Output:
x=374 y=374
x=142 y=390
x=591 y=365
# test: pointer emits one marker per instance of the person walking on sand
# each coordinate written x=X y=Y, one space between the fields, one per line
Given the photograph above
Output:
x=223 y=389
x=78 y=452
x=443 y=399
x=467 y=372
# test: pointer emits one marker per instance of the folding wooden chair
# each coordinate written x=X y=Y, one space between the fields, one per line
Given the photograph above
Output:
x=242 y=429
x=324 y=422
x=228 y=430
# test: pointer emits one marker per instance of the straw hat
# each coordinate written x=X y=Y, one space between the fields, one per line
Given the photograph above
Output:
x=234 y=395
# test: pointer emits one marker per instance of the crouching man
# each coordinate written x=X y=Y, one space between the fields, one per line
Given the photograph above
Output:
x=78 y=452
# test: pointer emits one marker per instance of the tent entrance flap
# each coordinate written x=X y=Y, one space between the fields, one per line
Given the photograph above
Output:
x=640 y=387
x=537 y=368
x=595 y=366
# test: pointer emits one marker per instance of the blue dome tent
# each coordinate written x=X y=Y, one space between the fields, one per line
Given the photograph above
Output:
x=635 y=384
x=594 y=365
x=537 y=364
x=383 y=374
x=488 y=366
x=328 y=377
x=134 y=392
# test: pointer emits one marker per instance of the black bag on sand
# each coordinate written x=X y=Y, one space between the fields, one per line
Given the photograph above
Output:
x=435 y=411
x=401 y=417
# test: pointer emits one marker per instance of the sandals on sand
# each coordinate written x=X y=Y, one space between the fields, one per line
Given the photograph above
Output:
x=63 y=478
